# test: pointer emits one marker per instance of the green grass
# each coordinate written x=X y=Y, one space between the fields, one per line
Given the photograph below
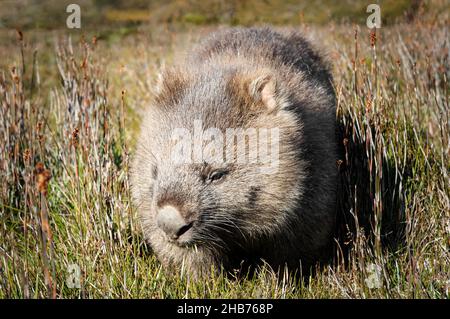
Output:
x=76 y=109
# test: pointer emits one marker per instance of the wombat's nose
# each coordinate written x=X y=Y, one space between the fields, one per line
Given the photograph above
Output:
x=171 y=222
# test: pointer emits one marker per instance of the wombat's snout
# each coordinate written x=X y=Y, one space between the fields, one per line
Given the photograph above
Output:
x=169 y=219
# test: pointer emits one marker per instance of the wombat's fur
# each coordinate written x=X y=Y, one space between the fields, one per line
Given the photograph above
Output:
x=242 y=77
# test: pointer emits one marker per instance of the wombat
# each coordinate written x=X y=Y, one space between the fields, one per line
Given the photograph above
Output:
x=203 y=213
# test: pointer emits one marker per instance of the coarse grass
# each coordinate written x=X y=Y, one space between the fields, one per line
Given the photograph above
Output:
x=69 y=115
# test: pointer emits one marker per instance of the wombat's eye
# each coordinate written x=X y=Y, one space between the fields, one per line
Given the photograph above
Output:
x=217 y=175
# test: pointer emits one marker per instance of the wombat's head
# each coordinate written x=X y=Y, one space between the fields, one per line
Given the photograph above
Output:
x=216 y=171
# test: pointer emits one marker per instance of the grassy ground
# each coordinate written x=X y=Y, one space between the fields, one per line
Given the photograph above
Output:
x=68 y=120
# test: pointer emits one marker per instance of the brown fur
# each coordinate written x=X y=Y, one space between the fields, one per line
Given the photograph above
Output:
x=255 y=78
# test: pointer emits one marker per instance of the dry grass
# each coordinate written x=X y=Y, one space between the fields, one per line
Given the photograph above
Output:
x=66 y=141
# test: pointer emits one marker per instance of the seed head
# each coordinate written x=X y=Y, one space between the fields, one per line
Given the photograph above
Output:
x=27 y=156
x=43 y=176
x=75 y=137
x=373 y=38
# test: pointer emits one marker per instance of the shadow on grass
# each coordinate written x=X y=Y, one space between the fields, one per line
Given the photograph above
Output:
x=370 y=202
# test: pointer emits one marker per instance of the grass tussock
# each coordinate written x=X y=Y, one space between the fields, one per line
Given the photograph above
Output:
x=65 y=148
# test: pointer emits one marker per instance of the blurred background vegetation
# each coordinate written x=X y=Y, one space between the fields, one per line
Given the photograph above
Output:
x=50 y=14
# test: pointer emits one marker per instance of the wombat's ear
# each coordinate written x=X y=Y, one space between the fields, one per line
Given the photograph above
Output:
x=170 y=86
x=263 y=89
